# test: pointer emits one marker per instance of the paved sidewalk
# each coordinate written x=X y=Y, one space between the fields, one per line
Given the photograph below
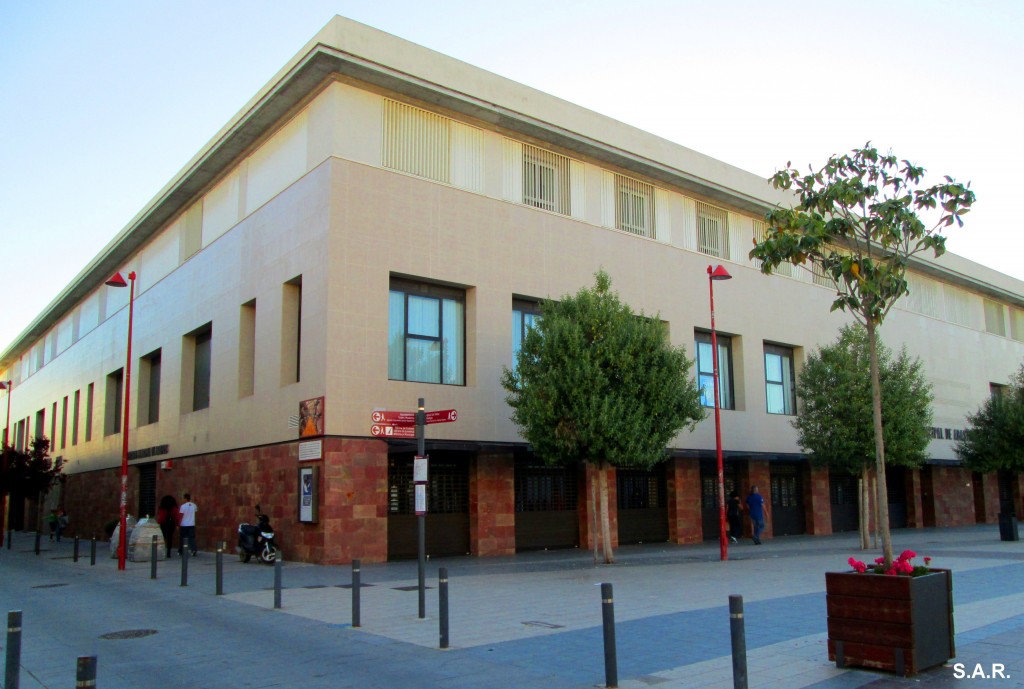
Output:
x=531 y=620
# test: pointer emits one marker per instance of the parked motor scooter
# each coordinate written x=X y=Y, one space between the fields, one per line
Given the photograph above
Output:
x=257 y=539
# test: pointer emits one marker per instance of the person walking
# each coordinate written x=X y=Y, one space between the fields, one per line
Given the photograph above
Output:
x=51 y=520
x=187 y=521
x=733 y=512
x=167 y=518
x=62 y=522
x=758 y=510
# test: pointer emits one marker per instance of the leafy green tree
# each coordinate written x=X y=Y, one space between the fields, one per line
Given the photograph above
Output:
x=595 y=382
x=995 y=433
x=30 y=473
x=834 y=423
x=857 y=222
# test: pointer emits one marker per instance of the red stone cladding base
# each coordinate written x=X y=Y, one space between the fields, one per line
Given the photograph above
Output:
x=226 y=486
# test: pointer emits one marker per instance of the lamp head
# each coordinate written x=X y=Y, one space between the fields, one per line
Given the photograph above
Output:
x=5 y=385
x=116 y=281
x=719 y=273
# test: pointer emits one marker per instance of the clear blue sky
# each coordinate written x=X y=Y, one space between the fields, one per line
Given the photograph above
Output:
x=103 y=102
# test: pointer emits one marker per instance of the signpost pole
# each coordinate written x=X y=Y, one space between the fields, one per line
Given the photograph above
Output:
x=421 y=519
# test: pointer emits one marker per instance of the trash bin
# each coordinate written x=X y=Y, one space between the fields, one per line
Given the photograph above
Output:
x=1008 y=527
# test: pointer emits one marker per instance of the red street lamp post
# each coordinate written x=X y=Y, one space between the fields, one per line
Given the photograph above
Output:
x=122 y=543
x=5 y=385
x=719 y=273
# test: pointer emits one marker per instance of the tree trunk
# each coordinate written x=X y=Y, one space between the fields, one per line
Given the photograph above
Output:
x=881 y=495
x=606 y=529
x=594 y=535
x=863 y=503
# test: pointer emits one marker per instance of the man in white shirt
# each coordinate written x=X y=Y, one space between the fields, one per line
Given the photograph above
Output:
x=187 y=512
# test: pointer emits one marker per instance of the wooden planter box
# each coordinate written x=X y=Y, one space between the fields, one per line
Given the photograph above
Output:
x=896 y=623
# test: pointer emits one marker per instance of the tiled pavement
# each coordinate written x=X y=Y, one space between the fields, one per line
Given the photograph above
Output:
x=532 y=620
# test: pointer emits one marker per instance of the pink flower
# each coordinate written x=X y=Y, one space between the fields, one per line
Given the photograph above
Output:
x=927 y=561
x=879 y=560
x=907 y=554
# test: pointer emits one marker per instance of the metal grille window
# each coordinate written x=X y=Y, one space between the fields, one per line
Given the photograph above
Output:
x=447 y=490
x=634 y=206
x=785 y=484
x=820 y=277
x=843 y=489
x=640 y=490
x=779 y=380
x=546 y=489
x=426 y=333
x=706 y=370
x=433 y=146
x=545 y=180
x=712 y=230
x=709 y=484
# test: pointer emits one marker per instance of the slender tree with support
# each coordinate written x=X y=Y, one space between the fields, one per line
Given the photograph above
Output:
x=858 y=223
x=595 y=382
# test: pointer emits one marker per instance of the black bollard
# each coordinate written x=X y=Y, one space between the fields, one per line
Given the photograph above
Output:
x=10 y=537
x=85 y=672
x=152 y=559
x=739 y=642
x=442 y=601
x=13 y=669
x=220 y=571
x=611 y=667
x=74 y=557
x=184 y=565
x=356 y=584
x=277 y=584
x=38 y=537
x=92 y=552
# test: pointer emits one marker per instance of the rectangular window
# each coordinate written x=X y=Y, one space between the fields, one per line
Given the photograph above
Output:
x=64 y=424
x=760 y=234
x=53 y=428
x=89 y=396
x=75 y=408
x=1017 y=324
x=247 y=349
x=195 y=369
x=712 y=230
x=291 y=331
x=201 y=371
x=545 y=180
x=525 y=314
x=779 y=381
x=634 y=206
x=40 y=424
x=112 y=408
x=706 y=370
x=426 y=333
x=149 y=388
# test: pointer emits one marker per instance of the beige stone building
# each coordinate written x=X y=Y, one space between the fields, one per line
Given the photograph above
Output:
x=375 y=226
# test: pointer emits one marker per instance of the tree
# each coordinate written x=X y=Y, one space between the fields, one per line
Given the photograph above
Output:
x=595 y=382
x=834 y=423
x=857 y=222
x=30 y=473
x=995 y=433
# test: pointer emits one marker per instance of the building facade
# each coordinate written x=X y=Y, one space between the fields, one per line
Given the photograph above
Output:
x=377 y=226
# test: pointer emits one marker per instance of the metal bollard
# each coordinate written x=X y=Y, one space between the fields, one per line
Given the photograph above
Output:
x=356 y=584
x=152 y=559
x=184 y=565
x=85 y=672
x=739 y=642
x=92 y=552
x=74 y=557
x=10 y=537
x=442 y=601
x=13 y=669
x=38 y=537
x=220 y=571
x=611 y=667
x=277 y=584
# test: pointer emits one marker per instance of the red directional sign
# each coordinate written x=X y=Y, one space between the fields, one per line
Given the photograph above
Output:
x=443 y=416
x=395 y=418
x=385 y=431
